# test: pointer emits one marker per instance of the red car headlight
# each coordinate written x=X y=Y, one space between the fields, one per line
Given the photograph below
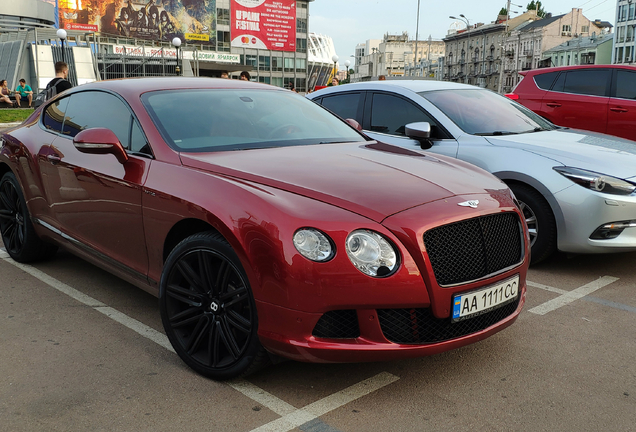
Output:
x=371 y=253
x=313 y=245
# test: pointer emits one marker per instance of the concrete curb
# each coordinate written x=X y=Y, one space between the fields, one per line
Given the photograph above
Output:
x=9 y=125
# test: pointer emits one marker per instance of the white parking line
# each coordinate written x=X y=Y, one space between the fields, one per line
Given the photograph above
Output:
x=327 y=404
x=570 y=296
x=291 y=417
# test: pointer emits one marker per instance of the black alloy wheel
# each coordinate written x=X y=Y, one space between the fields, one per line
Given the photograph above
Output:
x=207 y=308
x=539 y=218
x=18 y=234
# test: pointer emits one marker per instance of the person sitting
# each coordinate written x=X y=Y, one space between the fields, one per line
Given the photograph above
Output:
x=5 y=94
x=23 y=91
x=225 y=75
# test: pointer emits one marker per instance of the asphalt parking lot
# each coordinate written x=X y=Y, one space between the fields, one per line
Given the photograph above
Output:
x=83 y=350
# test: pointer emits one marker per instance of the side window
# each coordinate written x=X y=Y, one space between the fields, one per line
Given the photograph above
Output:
x=345 y=105
x=625 y=84
x=53 y=116
x=587 y=82
x=390 y=114
x=544 y=81
x=558 y=85
x=138 y=141
x=98 y=109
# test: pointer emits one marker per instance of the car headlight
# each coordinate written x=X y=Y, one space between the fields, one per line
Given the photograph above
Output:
x=371 y=253
x=597 y=182
x=313 y=245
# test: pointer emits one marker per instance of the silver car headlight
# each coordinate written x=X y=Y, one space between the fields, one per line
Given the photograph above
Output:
x=597 y=182
x=371 y=253
x=313 y=245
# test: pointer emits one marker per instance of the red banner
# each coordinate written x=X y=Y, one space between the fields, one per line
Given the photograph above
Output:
x=264 y=24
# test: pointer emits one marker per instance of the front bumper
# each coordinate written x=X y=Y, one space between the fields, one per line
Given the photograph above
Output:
x=584 y=211
x=289 y=334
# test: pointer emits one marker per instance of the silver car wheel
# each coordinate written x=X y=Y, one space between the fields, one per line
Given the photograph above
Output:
x=531 y=221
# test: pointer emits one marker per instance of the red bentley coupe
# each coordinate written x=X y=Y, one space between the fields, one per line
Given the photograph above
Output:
x=264 y=224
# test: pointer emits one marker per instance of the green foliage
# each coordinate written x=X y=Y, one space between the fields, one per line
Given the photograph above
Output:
x=536 y=6
x=503 y=11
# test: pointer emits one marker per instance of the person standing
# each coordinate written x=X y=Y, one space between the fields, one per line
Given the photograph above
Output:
x=245 y=76
x=23 y=91
x=60 y=83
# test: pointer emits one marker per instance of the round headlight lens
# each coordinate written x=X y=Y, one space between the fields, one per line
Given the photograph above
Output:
x=371 y=253
x=313 y=245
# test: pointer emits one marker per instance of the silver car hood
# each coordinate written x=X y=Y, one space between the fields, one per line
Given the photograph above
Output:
x=601 y=153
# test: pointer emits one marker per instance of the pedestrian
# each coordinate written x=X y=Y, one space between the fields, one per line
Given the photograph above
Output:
x=5 y=92
x=60 y=83
x=245 y=76
x=292 y=87
x=24 y=91
x=381 y=78
x=334 y=82
x=225 y=75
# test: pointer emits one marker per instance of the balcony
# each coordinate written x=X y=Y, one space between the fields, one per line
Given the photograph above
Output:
x=528 y=53
x=490 y=58
x=509 y=54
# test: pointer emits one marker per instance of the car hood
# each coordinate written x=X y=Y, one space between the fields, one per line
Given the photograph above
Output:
x=372 y=179
x=601 y=153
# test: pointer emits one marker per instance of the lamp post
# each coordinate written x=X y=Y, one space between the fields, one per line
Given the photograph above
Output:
x=347 y=64
x=463 y=18
x=61 y=33
x=335 y=58
x=417 y=32
x=176 y=42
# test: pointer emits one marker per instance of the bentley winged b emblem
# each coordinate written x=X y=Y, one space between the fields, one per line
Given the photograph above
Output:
x=471 y=203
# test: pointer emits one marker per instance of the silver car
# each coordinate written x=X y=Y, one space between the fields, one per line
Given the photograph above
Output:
x=576 y=188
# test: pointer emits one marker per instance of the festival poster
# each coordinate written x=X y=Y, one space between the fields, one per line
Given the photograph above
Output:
x=190 y=20
x=264 y=24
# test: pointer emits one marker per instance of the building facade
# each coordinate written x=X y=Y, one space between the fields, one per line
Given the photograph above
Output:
x=527 y=42
x=582 y=50
x=624 y=44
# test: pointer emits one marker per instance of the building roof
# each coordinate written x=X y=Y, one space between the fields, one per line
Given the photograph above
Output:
x=540 y=23
x=586 y=42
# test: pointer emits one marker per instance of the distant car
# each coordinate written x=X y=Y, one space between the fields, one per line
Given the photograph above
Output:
x=576 y=188
x=264 y=223
x=599 y=98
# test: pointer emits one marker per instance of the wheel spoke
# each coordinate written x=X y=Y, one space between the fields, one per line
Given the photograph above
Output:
x=239 y=322
x=232 y=292
x=183 y=295
x=206 y=272
x=6 y=214
x=222 y=276
x=7 y=201
x=228 y=338
x=236 y=300
x=11 y=236
x=198 y=335
x=190 y=275
x=186 y=317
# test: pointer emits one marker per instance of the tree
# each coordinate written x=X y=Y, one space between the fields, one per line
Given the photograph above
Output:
x=503 y=11
x=536 y=6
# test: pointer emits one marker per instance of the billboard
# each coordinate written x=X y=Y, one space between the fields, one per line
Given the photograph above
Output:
x=264 y=24
x=190 y=20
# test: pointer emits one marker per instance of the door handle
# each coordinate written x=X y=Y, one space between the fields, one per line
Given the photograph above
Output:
x=553 y=104
x=54 y=159
x=619 y=109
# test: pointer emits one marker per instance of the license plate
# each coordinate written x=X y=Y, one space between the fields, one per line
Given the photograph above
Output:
x=470 y=304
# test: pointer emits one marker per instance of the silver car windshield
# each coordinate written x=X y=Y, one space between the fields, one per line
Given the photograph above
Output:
x=204 y=120
x=481 y=112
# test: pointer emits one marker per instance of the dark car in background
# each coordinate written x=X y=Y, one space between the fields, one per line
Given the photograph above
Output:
x=599 y=98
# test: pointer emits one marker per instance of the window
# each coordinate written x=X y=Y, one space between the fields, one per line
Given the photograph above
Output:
x=223 y=16
x=277 y=63
x=390 y=114
x=567 y=28
x=345 y=105
x=301 y=25
x=54 y=115
x=98 y=109
x=289 y=64
x=301 y=65
x=544 y=81
x=585 y=29
x=591 y=82
x=263 y=63
x=625 y=84
x=301 y=45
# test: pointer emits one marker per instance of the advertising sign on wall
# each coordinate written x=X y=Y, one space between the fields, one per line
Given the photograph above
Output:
x=264 y=24
x=190 y=20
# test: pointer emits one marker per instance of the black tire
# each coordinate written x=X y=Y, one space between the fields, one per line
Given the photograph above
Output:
x=208 y=310
x=540 y=220
x=18 y=234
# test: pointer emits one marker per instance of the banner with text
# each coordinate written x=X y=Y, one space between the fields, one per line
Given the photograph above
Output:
x=190 y=20
x=264 y=24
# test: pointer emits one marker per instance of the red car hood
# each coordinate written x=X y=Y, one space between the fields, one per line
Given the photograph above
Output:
x=372 y=179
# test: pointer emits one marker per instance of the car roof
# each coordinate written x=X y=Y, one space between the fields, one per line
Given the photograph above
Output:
x=136 y=86
x=574 y=67
x=413 y=85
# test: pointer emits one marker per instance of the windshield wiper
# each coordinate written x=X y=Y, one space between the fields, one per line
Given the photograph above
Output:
x=497 y=133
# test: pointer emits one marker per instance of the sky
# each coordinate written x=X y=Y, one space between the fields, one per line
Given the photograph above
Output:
x=350 y=22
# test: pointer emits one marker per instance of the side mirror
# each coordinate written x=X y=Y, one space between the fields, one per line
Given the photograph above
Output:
x=100 y=141
x=354 y=124
x=420 y=131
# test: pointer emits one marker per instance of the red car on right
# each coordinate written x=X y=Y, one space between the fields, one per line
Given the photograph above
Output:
x=600 y=98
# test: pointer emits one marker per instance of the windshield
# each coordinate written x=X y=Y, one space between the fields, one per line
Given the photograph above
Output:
x=205 y=120
x=481 y=112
